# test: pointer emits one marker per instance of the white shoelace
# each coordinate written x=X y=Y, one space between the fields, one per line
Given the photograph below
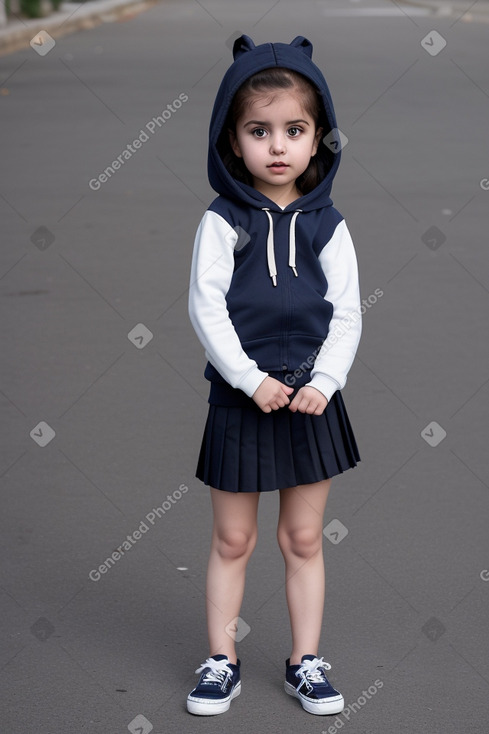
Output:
x=313 y=670
x=219 y=669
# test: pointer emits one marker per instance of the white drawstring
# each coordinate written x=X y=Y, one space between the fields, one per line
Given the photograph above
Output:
x=272 y=266
x=292 y=242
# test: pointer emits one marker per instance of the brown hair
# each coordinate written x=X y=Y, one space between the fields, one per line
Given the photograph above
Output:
x=270 y=80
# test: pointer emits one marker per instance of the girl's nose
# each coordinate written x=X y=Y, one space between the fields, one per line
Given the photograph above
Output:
x=277 y=145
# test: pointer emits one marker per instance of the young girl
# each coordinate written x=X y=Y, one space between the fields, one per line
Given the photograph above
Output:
x=274 y=299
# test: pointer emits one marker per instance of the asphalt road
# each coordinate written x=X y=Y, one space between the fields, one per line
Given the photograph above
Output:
x=103 y=398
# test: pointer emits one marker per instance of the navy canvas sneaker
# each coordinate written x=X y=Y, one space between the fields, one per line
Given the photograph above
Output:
x=218 y=685
x=307 y=682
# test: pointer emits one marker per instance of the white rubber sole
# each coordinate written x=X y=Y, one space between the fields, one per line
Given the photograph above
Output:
x=202 y=707
x=333 y=705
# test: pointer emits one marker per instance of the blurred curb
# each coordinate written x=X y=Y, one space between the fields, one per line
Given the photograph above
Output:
x=17 y=34
x=468 y=12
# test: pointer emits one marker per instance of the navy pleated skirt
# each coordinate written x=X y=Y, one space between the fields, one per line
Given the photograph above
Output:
x=246 y=450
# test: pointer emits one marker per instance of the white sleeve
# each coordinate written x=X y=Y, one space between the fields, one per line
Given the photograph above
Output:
x=334 y=359
x=210 y=278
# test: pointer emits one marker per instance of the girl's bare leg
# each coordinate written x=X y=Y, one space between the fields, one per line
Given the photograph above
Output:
x=234 y=537
x=300 y=536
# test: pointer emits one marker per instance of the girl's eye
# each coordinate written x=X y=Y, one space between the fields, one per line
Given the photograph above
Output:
x=260 y=132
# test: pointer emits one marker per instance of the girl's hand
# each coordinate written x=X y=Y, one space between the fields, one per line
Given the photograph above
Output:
x=309 y=400
x=272 y=395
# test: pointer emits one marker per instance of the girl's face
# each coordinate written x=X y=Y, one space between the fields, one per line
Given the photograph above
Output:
x=276 y=142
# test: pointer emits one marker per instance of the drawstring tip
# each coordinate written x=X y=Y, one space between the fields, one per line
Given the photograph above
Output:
x=274 y=279
x=294 y=271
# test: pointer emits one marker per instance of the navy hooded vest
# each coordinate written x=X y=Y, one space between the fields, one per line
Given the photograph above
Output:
x=277 y=297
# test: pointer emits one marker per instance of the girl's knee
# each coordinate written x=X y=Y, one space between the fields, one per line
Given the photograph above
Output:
x=303 y=542
x=232 y=543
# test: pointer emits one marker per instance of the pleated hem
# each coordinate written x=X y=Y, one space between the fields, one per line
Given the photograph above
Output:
x=246 y=450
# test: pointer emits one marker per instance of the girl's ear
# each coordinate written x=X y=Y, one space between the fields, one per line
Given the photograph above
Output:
x=317 y=138
x=234 y=143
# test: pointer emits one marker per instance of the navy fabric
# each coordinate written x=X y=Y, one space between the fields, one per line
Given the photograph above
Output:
x=278 y=326
x=247 y=450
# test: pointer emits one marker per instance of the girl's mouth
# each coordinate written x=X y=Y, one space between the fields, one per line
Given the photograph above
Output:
x=278 y=166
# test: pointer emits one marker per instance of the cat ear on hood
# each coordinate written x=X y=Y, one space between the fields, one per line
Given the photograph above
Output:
x=242 y=45
x=304 y=44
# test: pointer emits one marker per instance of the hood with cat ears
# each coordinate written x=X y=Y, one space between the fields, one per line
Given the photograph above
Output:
x=245 y=43
x=248 y=60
